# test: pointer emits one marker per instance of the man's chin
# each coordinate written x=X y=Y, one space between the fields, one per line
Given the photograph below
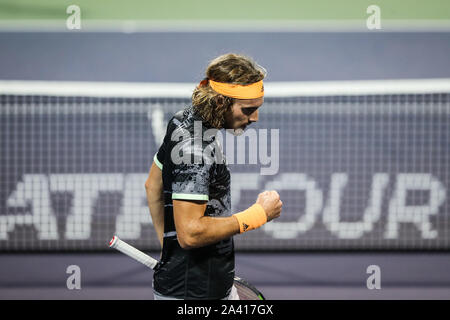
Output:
x=236 y=132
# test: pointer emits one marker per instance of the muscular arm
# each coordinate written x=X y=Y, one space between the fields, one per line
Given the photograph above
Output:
x=196 y=230
x=154 y=190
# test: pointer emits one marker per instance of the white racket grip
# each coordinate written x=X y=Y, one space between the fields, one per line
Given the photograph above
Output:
x=132 y=252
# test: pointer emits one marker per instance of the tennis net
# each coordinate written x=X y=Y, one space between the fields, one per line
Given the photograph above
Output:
x=358 y=165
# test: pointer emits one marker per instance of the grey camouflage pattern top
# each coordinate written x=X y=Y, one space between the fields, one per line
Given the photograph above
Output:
x=194 y=168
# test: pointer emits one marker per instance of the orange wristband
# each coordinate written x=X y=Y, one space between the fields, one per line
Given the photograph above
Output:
x=252 y=218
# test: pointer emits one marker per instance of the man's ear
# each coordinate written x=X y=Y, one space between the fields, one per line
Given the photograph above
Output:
x=219 y=101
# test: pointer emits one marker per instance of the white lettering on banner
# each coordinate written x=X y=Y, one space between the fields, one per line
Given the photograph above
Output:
x=33 y=192
x=242 y=181
x=314 y=199
x=85 y=189
x=399 y=212
x=134 y=210
x=353 y=230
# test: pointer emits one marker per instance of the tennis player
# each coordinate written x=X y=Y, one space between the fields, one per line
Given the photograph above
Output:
x=188 y=188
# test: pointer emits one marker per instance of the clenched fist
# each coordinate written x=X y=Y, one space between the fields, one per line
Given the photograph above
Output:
x=270 y=201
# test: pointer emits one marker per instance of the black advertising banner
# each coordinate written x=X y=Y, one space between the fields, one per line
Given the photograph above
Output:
x=353 y=172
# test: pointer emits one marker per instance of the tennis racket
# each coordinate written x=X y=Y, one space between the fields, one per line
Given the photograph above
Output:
x=245 y=290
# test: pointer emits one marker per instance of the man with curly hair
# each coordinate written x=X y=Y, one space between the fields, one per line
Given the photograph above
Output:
x=188 y=188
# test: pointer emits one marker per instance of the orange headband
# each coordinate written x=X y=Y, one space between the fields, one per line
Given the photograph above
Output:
x=250 y=91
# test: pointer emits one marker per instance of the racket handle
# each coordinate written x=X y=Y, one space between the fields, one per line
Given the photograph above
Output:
x=132 y=252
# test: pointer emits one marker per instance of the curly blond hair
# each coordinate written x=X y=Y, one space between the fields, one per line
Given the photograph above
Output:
x=228 y=68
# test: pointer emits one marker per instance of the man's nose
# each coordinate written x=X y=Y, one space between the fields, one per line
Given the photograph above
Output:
x=253 y=117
